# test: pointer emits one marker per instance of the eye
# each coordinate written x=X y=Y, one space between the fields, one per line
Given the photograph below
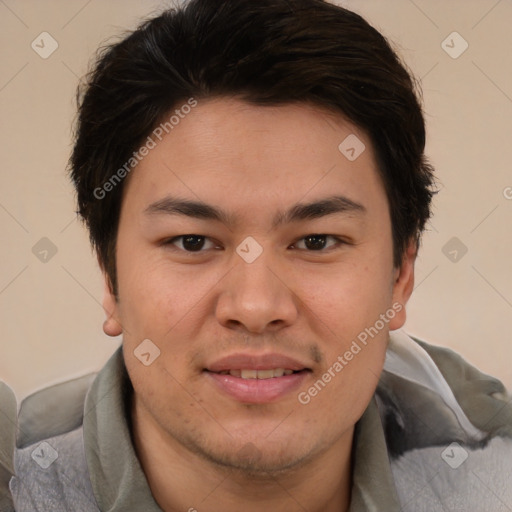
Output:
x=199 y=243
x=317 y=243
x=190 y=243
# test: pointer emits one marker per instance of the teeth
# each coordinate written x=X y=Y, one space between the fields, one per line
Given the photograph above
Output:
x=260 y=374
x=266 y=374
x=249 y=374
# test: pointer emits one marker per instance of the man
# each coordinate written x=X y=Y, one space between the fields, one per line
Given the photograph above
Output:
x=253 y=180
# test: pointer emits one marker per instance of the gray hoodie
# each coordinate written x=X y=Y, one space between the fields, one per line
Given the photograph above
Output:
x=436 y=436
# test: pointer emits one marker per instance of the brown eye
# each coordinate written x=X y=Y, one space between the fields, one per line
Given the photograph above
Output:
x=190 y=243
x=316 y=242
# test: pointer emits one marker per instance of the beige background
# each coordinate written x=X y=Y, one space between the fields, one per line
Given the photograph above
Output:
x=50 y=313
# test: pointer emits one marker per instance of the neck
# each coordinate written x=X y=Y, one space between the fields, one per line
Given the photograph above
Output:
x=181 y=479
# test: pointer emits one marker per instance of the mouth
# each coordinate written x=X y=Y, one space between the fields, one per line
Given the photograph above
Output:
x=259 y=374
x=255 y=379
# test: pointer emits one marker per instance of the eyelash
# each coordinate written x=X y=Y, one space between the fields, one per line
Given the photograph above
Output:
x=339 y=241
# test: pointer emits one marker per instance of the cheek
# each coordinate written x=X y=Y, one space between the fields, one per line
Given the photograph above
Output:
x=165 y=306
x=149 y=291
x=343 y=399
x=348 y=311
x=347 y=295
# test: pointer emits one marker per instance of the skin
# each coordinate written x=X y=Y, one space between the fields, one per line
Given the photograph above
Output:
x=199 y=447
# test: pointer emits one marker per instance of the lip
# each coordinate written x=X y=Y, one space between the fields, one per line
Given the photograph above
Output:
x=245 y=361
x=257 y=391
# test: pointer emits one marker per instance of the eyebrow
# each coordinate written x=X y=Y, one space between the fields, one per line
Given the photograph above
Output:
x=298 y=212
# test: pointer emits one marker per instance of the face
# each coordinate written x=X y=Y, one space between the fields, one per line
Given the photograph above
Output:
x=277 y=274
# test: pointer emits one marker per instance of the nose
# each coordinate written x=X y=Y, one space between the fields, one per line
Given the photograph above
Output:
x=257 y=297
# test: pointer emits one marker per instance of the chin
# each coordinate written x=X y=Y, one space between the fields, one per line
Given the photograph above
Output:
x=257 y=459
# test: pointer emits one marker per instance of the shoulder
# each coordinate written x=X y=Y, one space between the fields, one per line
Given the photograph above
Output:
x=430 y=396
x=49 y=469
x=484 y=398
x=448 y=428
x=53 y=410
x=455 y=477
x=52 y=475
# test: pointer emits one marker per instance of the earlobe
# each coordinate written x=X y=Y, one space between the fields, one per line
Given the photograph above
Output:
x=403 y=285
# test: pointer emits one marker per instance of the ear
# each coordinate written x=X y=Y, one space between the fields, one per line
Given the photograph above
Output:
x=403 y=284
x=111 y=326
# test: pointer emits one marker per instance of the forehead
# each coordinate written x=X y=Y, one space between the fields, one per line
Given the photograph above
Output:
x=226 y=151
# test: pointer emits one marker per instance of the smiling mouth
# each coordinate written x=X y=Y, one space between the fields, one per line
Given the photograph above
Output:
x=259 y=374
x=257 y=385
x=251 y=378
